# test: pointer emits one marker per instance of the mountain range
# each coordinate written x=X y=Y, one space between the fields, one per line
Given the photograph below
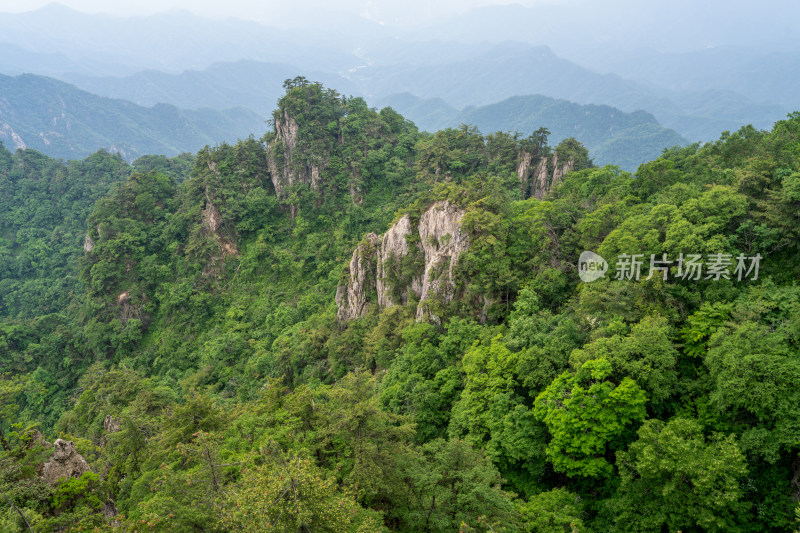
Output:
x=63 y=121
x=438 y=75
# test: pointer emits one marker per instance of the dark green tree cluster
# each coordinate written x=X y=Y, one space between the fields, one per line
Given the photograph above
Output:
x=205 y=377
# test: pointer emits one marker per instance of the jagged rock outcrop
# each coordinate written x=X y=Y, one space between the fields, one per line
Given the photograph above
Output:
x=391 y=259
x=212 y=220
x=538 y=175
x=442 y=241
x=394 y=247
x=352 y=298
x=285 y=169
x=35 y=438
x=541 y=180
x=559 y=171
x=66 y=462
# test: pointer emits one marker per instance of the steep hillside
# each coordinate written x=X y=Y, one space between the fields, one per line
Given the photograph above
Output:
x=63 y=121
x=44 y=204
x=444 y=80
x=352 y=326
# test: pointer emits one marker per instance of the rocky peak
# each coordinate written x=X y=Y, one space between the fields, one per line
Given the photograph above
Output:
x=394 y=247
x=66 y=462
x=437 y=241
x=286 y=168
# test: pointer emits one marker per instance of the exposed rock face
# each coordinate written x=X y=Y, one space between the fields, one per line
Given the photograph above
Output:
x=286 y=131
x=7 y=133
x=110 y=511
x=352 y=298
x=537 y=179
x=66 y=462
x=212 y=220
x=88 y=244
x=284 y=149
x=441 y=241
x=560 y=171
x=111 y=424
x=37 y=439
x=394 y=247
x=541 y=181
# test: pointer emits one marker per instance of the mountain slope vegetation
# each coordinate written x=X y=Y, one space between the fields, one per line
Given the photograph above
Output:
x=249 y=351
x=612 y=136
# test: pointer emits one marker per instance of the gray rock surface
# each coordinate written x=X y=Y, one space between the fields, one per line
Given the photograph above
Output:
x=65 y=463
x=440 y=244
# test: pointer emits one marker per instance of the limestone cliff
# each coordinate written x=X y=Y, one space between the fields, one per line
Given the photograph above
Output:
x=538 y=175
x=286 y=166
x=392 y=255
x=352 y=298
x=408 y=262
x=442 y=241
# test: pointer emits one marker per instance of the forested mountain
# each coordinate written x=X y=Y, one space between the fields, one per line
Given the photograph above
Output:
x=252 y=84
x=63 y=121
x=702 y=83
x=44 y=204
x=350 y=325
x=515 y=69
x=612 y=136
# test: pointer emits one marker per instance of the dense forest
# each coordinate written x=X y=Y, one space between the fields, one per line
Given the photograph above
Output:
x=352 y=325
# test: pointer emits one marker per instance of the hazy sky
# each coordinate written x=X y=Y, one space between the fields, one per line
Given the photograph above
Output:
x=265 y=10
x=565 y=25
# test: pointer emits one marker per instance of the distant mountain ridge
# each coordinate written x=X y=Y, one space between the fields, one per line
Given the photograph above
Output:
x=499 y=72
x=62 y=121
x=612 y=136
x=256 y=85
x=189 y=61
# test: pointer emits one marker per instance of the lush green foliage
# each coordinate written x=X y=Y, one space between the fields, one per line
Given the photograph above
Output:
x=204 y=375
